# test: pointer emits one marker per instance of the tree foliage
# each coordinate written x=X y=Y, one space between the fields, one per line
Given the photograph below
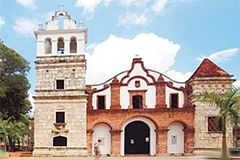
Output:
x=228 y=104
x=13 y=132
x=14 y=85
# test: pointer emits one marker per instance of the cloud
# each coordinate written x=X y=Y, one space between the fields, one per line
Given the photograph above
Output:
x=134 y=2
x=178 y=76
x=237 y=83
x=158 y=53
x=89 y=6
x=90 y=47
x=27 y=3
x=2 y=22
x=25 y=26
x=131 y=19
x=159 y=5
x=221 y=55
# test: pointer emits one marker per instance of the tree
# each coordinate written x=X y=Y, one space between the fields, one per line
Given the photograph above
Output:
x=14 y=84
x=14 y=103
x=4 y=133
x=13 y=132
x=228 y=104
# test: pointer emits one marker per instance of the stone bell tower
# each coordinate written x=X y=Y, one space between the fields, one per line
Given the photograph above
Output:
x=60 y=99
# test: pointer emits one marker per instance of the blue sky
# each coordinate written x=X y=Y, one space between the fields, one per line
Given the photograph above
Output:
x=172 y=36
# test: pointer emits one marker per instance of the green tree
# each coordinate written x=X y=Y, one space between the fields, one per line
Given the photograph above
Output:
x=228 y=104
x=14 y=84
x=13 y=132
x=4 y=133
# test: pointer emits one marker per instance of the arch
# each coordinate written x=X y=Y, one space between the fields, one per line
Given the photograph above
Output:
x=59 y=141
x=152 y=126
x=178 y=121
x=175 y=138
x=102 y=123
x=60 y=45
x=102 y=131
x=73 y=45
x=48 y=46
x=137 y=143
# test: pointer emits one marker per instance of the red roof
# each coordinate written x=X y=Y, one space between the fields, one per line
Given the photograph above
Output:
x=209 y=69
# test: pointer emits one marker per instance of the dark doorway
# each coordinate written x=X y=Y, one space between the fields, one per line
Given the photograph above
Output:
x=59 y=141
x=137 y=138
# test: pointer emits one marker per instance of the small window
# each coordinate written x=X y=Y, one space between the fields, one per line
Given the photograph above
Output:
x=174 y=100
x=137 y=102
x=60 y=117
x=60 y=45
x=60 y=141
x=73 y=45
x=137 y=84
x=48 y=46
x=214 y=124
x=60 y=84
x=101 y=102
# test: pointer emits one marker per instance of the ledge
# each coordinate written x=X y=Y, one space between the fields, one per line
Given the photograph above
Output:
x=143 y=110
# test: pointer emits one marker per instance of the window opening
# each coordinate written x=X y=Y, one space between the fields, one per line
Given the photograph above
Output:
x=174 y=100
x=101 y=102
x=137 y=102
x=60 y=141
x=73 y=45
x=60 y=84
x=60 y=117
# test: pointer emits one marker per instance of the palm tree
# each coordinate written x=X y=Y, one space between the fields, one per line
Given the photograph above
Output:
x=228 y=104
x=4 y=133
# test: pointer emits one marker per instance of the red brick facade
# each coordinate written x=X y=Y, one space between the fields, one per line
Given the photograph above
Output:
x=162 y=118
x=160 y=114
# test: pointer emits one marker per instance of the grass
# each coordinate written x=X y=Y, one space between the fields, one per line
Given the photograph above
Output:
x=2 y=154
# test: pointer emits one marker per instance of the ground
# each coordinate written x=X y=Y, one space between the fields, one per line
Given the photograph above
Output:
x=114 y=158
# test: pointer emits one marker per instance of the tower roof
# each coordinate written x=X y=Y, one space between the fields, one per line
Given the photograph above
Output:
x=209 y=69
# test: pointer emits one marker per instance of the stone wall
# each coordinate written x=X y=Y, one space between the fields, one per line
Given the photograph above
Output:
x=204 y=140
x=71 y=100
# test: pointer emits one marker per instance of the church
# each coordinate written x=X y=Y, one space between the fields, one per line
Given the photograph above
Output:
x=138 y=111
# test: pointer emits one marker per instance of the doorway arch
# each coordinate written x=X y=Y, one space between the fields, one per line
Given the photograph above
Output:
x=137 y=138
x=175 y=138
x=152 y=134
x=102 y=131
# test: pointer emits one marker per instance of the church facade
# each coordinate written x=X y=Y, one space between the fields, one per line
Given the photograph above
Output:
x=138 y=111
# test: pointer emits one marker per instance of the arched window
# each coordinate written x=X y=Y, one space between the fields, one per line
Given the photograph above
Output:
x=60 y=141
x=48 y=46
x=73 y=45
x=60 y=45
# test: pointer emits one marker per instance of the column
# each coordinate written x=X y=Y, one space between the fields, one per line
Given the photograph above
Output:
x=116 y=142
x=160 y=93
x=89 y=141
x=186 y=92
x=188 y=140
x=89 y=98
x=66 y=46
x=115 y=94
x=161 y=141
x=54 y=46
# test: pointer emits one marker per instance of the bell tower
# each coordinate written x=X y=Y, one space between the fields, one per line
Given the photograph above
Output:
x=60 y=99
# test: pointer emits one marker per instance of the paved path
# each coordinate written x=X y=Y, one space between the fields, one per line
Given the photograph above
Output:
x=112 y=158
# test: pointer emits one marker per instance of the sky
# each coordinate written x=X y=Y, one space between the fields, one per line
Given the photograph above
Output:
x=172 y=36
